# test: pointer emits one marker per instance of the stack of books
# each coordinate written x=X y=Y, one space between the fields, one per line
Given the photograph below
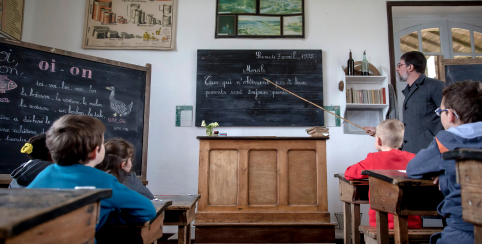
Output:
x=366 y=96
x=317 y=131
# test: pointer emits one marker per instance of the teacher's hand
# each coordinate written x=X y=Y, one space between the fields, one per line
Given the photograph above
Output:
x=370 y=130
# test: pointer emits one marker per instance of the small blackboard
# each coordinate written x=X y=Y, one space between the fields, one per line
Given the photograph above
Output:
x=231 y=90
x=456 y=73
x=456 y=70
x=39 y=84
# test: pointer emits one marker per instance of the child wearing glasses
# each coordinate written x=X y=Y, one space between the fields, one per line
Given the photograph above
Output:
x=461 y=116
x=388 y=138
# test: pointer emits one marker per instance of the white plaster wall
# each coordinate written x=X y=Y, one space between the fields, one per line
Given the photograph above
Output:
x=333 y=26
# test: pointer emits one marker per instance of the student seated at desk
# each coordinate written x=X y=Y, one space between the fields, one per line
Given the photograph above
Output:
x=39 y=156
x=388 y=138
x=76 y=144
x=118 y=162
x=461 y=115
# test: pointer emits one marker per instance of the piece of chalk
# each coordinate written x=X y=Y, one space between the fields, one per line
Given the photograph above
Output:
x=84 y=187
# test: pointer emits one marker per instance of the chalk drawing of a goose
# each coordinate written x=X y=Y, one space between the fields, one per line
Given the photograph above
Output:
x=117 y=106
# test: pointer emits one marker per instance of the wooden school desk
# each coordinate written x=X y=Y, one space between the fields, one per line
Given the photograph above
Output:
x=49 y=216
x=469 y=176
x=181 y=213
x=5 y=180
x=147 y=233
x=352 y=194
x=393 y=192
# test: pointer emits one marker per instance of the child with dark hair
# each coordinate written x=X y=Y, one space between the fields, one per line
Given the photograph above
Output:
x=461 y=116
x=76 y=143
x=39 y=155
x=118 y=162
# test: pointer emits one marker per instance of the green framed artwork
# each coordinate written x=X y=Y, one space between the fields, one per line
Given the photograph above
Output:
x=237 y=6
x=226 y=25
x=260 y=19
x=293 y=25
x=259 y=25
x=281 y=7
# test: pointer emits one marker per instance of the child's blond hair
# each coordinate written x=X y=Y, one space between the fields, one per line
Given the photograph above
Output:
x=391 y=133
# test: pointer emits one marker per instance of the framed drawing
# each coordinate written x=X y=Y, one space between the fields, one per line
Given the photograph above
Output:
x=260 y=19
x=11 y=18
x=129 y=24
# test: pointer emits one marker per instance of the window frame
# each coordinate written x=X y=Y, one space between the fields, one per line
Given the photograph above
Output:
x=471 y=29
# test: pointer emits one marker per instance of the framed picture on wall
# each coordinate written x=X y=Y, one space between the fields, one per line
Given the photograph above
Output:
x=121 y=24
x=226 y=25
x=260 y=19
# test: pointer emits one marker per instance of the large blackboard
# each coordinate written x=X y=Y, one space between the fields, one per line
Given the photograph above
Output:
x=456 y=73
x=40 y=84
x=231 y=91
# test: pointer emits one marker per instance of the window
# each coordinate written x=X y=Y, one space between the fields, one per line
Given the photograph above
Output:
x=451 y=39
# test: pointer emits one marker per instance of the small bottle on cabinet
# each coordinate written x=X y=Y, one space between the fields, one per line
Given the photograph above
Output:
x=351 y=65
x=364 y=64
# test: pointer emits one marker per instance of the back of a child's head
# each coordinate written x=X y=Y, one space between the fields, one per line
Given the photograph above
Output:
x=111 y=164
x=118 y=148
x=72 y=138
x=391 y=133
x=465 y=99
x=36 y=148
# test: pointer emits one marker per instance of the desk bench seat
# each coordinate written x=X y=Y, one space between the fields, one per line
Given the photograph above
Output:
x=414 y=235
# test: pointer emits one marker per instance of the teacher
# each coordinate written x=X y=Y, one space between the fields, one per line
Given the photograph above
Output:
x=423 y=96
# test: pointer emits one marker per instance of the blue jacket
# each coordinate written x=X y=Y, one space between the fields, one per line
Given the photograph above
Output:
x=124 y=207
x=429 y=162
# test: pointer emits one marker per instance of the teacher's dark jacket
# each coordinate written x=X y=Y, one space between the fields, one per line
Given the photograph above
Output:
x=421 y=122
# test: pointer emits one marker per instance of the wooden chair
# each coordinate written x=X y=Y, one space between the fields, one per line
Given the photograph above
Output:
x=49 y=216
x=414 y=235
x=352 y=194
x=469 y=176
x=147 y=233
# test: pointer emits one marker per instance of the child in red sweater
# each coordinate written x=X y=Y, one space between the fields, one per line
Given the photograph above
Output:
x=389 y=137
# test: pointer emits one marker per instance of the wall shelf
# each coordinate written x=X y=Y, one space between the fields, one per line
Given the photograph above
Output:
x=362 y=113
x=356 y=79
x=363 y=105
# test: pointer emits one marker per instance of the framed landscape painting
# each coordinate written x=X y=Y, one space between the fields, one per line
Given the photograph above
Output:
x=237 y=6
x=281 y=7
x=293 y=25
x=260 y=19
x=259 y=26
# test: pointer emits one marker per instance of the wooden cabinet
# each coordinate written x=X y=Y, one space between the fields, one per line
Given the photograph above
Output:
x=262 y=181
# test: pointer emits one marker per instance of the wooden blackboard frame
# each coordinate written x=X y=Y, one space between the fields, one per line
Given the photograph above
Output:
x=147 y=69
x=442 y=63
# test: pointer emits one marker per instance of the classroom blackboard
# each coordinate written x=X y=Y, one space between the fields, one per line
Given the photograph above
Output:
x=230 y=88
x=456 y=73
x=39 y=84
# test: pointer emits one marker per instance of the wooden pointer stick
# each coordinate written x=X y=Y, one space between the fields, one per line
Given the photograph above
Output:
x=314 y=104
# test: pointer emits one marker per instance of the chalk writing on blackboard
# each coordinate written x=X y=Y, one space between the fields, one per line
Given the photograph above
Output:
x=231 y=88
x=39 y=86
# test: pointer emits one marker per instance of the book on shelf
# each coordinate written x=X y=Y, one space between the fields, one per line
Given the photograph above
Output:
x=365 y=96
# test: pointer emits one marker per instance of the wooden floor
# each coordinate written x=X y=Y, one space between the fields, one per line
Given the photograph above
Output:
x=171 y=238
